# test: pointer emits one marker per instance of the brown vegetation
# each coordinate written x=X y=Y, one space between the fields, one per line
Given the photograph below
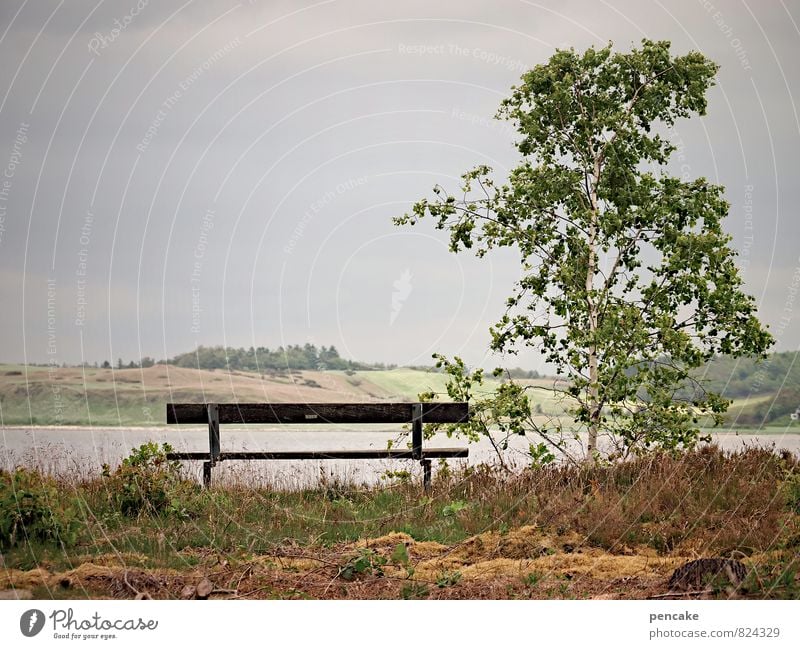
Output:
x=616 y=531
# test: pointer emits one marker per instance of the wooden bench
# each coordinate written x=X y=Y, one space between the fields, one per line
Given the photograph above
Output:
x=215 y=414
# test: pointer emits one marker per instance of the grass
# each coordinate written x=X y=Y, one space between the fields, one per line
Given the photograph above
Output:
x=408 y=383
x=403 y=382
x=135 y=397
x=555 y=532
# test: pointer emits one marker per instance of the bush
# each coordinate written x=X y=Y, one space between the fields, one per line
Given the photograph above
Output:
x=366 y=562
x=791 y=487
x=147 y=481
x=31 y=509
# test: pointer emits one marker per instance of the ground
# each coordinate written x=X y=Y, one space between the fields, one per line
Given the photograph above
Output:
x=525 y=563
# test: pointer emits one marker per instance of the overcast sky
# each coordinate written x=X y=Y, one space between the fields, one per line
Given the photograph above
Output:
x=183 y=173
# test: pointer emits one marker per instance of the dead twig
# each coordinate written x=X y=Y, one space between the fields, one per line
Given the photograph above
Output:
x=138 y=594
x=707 y=591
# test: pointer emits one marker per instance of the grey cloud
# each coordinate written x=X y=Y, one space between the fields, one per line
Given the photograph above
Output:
x=163 y=124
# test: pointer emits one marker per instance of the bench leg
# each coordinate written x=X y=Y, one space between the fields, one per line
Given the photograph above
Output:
x=207 y=474
x=426 y=474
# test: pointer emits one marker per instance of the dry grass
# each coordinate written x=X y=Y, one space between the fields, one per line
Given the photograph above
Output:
x=133 y=397
x=613 y=531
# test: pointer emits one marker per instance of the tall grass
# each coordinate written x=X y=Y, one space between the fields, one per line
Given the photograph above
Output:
x=700 y=503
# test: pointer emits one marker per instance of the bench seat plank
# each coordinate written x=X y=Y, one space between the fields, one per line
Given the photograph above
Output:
x=347 y=454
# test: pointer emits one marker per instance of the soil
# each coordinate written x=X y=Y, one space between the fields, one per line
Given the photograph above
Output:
x=522 y=563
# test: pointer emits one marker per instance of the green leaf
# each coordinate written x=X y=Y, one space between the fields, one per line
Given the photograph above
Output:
x=628 y=282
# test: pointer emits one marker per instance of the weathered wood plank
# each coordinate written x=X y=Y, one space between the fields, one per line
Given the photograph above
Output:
x=213 y=431
x=416 y=430
x=347 y=454
x=317 y=413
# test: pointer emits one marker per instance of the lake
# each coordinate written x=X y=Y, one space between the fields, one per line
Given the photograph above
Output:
x=81 y=452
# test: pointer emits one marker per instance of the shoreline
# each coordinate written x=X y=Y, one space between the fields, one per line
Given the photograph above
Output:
x=296 y=427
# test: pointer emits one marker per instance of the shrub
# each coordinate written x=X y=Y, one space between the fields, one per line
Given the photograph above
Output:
x=414 y=590
x=791 y=488
x=447 y=578
x=147 y=481
x=366 y=562
x=31 y=509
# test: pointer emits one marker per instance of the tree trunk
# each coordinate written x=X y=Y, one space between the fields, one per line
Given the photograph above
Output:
x=593 y=390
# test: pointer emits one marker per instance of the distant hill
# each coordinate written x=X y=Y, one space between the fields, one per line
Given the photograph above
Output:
x=137 y=396
x=291 y=357
x=744 y=377
x=100 y=396
x=764 y=391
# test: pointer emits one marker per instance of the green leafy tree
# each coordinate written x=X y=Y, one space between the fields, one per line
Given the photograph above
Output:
x=628 y=279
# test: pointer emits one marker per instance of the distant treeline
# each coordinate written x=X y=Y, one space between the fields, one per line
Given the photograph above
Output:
x=292 y=357
x=280 y=359
x=265 y=360
x=736 y=378
x=254 y=359
x=777 y=375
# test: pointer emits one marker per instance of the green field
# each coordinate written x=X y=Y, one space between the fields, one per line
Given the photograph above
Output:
x=405 y=383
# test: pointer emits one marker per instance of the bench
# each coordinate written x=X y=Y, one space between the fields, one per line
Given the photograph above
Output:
x=215 y=414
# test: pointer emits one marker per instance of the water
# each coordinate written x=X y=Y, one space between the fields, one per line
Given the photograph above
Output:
x=81 y=452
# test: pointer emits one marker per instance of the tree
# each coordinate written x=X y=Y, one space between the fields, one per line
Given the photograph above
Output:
x=628 y=281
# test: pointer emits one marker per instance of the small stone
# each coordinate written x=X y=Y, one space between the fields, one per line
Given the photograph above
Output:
x=188 y=592
x=204 y=588
x=700 y=573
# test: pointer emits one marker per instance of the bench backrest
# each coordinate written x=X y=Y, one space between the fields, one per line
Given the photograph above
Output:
x=322 y=413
